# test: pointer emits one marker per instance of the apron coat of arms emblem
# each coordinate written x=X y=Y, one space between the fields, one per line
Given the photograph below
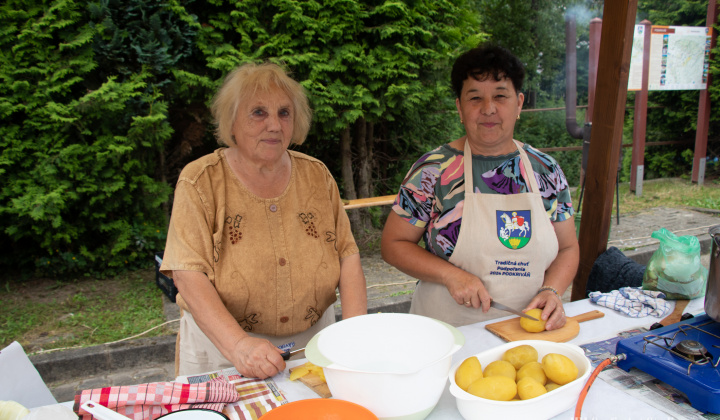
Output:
x=513 y=227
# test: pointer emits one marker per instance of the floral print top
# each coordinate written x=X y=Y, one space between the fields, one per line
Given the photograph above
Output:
x=433 y=192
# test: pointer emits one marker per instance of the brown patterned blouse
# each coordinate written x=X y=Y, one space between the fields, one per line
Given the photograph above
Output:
x=274 y=262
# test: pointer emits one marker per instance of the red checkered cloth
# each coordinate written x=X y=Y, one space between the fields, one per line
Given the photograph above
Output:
x=150 y=401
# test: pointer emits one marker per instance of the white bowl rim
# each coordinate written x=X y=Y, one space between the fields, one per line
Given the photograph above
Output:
x=315 y=356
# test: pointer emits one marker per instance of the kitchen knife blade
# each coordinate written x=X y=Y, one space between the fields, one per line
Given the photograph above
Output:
x=502 y=307
x=287 y=354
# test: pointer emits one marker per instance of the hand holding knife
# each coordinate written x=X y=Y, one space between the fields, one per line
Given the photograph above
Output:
x=287 y=354
x=502 y=307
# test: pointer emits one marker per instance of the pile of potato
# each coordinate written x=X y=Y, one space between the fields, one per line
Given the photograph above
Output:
x=305 y=369
x=517 y=376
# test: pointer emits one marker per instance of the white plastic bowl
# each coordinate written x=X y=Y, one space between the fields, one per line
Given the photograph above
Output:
x=542 y=407
x=395 y=365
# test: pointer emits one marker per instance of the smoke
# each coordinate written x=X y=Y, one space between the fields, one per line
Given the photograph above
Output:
x=581 y=14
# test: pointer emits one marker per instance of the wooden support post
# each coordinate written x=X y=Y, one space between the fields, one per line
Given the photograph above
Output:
x=640 y=124
x=703 y=120
x=606 y=141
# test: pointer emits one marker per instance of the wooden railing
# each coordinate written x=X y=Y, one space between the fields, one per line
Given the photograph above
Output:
x=389 y=199
x=368 y=202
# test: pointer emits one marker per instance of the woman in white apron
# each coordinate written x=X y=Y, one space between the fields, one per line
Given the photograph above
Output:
x=495 y=215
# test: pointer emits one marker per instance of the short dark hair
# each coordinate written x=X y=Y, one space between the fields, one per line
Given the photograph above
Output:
x=484 y=61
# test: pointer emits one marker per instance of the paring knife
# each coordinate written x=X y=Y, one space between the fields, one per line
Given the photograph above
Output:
x=502 y=307
x=288 y=354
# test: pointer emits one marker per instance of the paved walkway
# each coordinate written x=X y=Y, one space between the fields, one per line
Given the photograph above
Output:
x=151 y=359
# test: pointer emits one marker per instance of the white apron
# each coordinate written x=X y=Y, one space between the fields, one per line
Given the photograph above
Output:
x=195 y=353
x=506 y=240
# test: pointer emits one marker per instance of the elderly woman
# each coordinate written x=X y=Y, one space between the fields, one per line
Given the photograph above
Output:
x=258 y=241
x=495 y=214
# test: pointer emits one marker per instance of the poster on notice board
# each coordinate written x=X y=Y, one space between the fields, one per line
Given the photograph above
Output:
x=679 y=58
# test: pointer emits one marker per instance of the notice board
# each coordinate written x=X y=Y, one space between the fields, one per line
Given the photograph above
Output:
x=679 y=58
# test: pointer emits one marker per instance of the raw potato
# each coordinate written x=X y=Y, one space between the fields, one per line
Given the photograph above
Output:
x=528 y=387
x=530 y=325
x=299 y=372
x=11 y=410
x=521 y=355
x=531 y=380
x=532 y=370
x=469 y=371
x=500 y=368
x=559 y=368
x=550 y=386
x=305 y=369
x=497 y=388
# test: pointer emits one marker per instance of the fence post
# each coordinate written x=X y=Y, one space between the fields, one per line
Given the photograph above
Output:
x=640 y=124
x=703 y=121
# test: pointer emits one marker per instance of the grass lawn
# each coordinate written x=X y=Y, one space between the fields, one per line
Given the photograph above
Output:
x=44 y=314
x=675 y=192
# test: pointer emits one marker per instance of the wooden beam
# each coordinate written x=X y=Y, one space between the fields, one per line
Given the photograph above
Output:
x=368 y=202
x=606 y=136
x=703 y=120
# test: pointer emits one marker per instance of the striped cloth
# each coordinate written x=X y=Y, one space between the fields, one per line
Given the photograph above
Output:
x=633 y=301
x=257 y=396
x=150 y=401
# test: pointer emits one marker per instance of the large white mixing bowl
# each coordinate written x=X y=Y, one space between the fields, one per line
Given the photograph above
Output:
x=395 y=365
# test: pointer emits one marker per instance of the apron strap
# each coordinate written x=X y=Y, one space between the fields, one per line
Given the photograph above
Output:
x=524 y=164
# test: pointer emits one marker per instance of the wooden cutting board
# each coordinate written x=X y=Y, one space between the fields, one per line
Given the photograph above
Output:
x=510 y=329
x=314 y=382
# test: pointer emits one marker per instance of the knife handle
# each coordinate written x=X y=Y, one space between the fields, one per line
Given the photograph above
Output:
x=587 y=316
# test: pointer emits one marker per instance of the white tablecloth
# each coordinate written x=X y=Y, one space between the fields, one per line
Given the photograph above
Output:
x=603 y=400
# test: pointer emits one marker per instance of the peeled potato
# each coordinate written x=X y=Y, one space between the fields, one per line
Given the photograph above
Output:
x=305 y=369
x=469 y=371
x=500 y=368
x=559 y=368
x=318 y=371
x=520 y=355
x=530 y=325
x=299 y=372
x=528 y=387
x=498 y=388
x=551 y=386
x=532 y=370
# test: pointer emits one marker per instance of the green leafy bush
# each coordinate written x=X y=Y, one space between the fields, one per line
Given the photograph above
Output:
x=80 y=148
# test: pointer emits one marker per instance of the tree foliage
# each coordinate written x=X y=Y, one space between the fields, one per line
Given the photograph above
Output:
x=102 y=103
x=365 y=64
x=80 y=145
x=535 y=32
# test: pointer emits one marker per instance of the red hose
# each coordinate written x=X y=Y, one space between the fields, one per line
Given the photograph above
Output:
x=591 y=379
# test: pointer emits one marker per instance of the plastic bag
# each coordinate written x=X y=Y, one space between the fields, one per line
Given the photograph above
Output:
x=675 y=267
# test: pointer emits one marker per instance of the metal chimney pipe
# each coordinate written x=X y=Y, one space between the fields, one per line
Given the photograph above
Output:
x=594 y=58
x=575 y=130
